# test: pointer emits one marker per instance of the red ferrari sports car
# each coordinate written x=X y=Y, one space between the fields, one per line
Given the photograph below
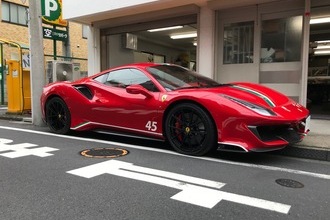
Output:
x=193 y=113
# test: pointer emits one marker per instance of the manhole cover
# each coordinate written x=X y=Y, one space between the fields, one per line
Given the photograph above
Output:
x=104 y=152
x=289 y=183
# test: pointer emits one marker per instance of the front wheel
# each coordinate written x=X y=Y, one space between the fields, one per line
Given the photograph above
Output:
x=190 y=130
x=58 y=116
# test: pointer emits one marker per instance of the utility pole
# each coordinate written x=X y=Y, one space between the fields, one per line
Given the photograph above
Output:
x=66 y=46
x=37 y=67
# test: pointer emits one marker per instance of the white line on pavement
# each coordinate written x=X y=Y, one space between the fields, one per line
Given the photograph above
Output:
x=190 y=193
x=299 y=172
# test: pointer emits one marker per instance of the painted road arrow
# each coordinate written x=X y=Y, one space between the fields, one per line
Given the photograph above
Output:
x=194 y=190
x=23 y=149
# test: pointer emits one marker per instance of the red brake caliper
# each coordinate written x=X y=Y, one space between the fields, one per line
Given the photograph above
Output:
x=178 y=127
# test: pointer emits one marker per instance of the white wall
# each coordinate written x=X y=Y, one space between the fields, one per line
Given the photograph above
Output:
x=78 y=8
x=170 y=54
x=94 y=61
x=206 y=33
x=118 y=55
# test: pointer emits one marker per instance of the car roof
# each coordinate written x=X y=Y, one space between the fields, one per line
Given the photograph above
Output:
x=132 y=65
x=144 y=64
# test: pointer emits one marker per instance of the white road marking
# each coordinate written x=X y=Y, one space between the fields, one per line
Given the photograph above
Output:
x=23 y=149
x=264 y=167
x=193 y=190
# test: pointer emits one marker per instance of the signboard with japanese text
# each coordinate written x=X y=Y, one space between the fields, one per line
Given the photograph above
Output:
x=55 y=34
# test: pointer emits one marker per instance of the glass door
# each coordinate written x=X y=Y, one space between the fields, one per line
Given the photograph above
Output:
x=280 y=53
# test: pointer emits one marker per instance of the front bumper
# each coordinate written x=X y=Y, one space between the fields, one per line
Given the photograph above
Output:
x=263 y=137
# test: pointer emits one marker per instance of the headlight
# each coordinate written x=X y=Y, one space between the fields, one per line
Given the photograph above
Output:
x=256 y=108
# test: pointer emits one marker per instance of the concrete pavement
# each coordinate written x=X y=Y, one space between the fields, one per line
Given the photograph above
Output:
x=316 y=145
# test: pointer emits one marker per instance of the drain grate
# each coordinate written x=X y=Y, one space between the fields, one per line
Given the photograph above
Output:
x=104 y=152
x=289 y=183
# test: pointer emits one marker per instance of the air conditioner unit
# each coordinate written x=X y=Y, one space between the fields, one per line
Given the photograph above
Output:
x=61 y=71
x=76 y=71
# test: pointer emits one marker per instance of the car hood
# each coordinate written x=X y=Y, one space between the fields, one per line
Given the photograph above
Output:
x=260 y=95
x=250 y=92
x=256 y=94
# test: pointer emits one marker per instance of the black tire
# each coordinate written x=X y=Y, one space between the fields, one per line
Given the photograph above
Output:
x=190 y=130
x=58 y=116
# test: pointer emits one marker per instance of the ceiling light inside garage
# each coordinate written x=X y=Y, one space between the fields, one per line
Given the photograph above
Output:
x=322 y=41
x=165 y=28
x=322 y=52
x=319 y=20
x=320 y=47
x=184 y=35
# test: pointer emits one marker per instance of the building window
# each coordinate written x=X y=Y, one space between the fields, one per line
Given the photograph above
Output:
x=281 y=39
x=5 y=11
x=238 y=43
x=84 y=31
x=14 y=13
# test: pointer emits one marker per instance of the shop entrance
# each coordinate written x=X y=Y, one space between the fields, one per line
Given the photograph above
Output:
x=164 y=41
x=261 y=45
x=177 y=45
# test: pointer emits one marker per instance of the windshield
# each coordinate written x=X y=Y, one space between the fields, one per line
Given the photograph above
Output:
x=175 y=77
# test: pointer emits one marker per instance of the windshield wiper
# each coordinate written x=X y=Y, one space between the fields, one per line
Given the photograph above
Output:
x=200 y=87
x=189 y=87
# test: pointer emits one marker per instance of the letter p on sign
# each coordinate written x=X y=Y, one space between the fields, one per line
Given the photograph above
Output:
x=50 y=6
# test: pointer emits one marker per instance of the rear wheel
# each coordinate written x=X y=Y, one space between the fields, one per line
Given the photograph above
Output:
x=58 y=116
x=190 y=130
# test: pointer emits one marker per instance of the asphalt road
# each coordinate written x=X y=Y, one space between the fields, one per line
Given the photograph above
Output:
x=44 y=176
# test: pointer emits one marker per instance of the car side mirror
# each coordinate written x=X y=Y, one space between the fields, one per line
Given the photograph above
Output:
x=138 y=89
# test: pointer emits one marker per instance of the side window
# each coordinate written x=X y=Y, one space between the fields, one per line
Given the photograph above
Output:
x=102 y=78
x=84 y=31
x=125 y=77
x=143 y=80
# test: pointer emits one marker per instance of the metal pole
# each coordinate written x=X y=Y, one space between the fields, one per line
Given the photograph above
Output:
x=305 y=51
x=54 y=49
x=2 y=77
x=37 y=69
x=66 y=46
x=54 y=46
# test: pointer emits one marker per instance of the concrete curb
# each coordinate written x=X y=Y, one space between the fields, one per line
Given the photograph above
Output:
x=13 y=117
x=306 y=152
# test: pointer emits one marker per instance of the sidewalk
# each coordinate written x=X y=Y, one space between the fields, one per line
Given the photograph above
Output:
x=316 y=145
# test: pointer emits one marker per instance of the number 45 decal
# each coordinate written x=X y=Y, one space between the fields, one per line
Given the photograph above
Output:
x=151 y=126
